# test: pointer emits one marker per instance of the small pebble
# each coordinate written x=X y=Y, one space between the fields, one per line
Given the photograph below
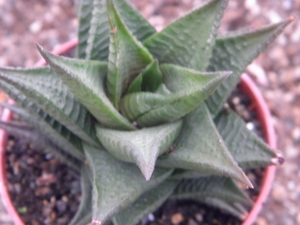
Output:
x=298 y=218
x=296 y=133
x=259 y=73
x=199 y=217
x=36 y=26
x=291 y=152
x=261 y=221
x=61 y=206
x=176 y=218
x=250 y=126
x=287 y=4
x=46 y=179
x=291 y=185
x=42 y=191
x=192 y=222
x=279 y=193
x=151 y=217
x=252 y=6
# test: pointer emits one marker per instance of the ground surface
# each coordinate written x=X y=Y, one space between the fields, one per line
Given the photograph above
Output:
x=49 y=23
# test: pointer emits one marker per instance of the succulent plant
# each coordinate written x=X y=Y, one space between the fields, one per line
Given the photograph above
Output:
x=140 y=113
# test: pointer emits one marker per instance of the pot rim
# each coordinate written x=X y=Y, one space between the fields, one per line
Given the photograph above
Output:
x=248 y=87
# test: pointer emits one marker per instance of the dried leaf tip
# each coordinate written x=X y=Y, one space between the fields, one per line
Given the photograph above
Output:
x=278 y=160
x=96 y=222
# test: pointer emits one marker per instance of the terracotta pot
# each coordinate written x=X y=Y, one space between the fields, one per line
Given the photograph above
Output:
x=248 y=87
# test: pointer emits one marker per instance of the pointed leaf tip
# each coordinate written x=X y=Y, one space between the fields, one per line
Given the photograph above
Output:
x=141 y=146
x=121 y=70
x=41 y=50
x=248 y=150
x=235 y=51
x=86 y=79
x=200 y=147
x=278 y=160
x=188 y=41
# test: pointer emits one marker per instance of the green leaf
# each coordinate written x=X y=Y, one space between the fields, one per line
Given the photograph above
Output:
x=200 y=147
x=136 y=84
x=116 y=184
x=163 y=90
x=190 y=88
x=94 y=29
x=188 y=41
x=50 y=128
x=237 y=210
x=85 y=10
x=84 y=213
x=43 y=122
x=141 y=146
x=46 y=90
x=86 y=79
x=15 y=94
x=98 y=35
x=246 y=147
x=235 y=52
x=134 y=21
x=21 y=130
x=124 y=49
x=145 y=204
x=222 y=188
x=149 y=80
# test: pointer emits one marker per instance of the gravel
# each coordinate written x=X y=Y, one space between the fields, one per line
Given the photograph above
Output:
x=49 y=23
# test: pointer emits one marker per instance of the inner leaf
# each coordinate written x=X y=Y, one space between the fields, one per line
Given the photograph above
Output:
x=189 y=89
x=123 y=51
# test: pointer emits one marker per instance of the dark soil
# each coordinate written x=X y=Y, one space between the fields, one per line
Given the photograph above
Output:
x=43 y=190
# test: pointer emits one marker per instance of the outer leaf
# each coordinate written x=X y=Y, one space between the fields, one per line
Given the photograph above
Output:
x=124 y=49
x=98 y=35
x=190 y=88
x=222 y=188
x=188 y=41
x=85 y=10
x=22 y=130
x=84 y=213
x=43 y=122
x=142 y=146
x=86 y=79
x=145 y=204
x=246 y=148
x=47 y=91
x=149 y=79
x=51 y=129
x=116 y=184
x=237 y=210
x=134 y=21
x=236 y=51
x=199 y=147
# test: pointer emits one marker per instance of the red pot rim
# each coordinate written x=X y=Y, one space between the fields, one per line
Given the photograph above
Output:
x=247 y=86
x=264 y=116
